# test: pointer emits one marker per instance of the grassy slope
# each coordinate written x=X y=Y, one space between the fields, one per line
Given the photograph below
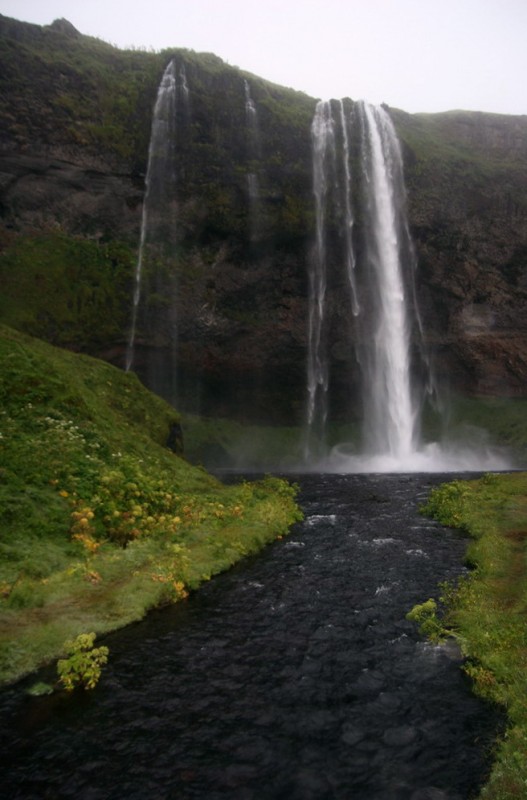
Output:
x=488 y=611
x=99 y=521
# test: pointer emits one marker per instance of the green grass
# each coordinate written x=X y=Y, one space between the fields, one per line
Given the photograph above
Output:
x=68 y=290
x=99 y=521
x=488 y=611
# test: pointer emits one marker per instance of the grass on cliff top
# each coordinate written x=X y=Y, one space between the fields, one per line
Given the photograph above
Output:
x=99 y=521
x=488 y=611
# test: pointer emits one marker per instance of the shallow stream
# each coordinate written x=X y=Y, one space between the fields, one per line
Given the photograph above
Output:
x=295 y=676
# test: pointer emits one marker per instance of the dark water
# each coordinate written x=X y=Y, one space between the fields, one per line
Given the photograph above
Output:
x=294 y=676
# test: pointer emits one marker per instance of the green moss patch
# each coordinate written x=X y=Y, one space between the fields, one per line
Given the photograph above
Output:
x=70 y=291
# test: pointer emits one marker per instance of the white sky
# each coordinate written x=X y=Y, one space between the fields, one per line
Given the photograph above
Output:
x=418 y=55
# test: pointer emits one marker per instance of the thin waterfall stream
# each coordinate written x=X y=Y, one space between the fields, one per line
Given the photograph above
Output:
x=294 y=676
x=254 y=154
x=159 y=187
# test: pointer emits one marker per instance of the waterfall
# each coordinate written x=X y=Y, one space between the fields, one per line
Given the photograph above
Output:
x=253 y=154
x=348 y=214
x=157 y=223
x=389 y=413
x=323 y=140
x=376 y=278
x=184 y=84
x=250 y=108
x=362 y=242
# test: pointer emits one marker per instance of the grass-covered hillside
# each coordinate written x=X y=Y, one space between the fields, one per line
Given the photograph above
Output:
x=99 y=520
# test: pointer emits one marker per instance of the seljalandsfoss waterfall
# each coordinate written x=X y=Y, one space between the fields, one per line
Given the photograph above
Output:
x=358 y=187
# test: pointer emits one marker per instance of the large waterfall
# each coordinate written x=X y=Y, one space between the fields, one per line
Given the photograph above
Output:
x=362 y=242
x=389 y=412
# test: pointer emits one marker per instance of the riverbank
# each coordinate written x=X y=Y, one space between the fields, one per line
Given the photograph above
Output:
x=488 y=611
x=100 y=520
x=293 y=675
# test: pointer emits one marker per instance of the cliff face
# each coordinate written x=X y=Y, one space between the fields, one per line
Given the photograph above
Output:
x=74 y=134
x=467 y=190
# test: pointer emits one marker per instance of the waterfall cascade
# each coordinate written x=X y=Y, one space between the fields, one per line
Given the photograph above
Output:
x=254 y=153
x=184 y=84
x=359 y=197
x=390 y=414
x=322 y=132
x=159 y=193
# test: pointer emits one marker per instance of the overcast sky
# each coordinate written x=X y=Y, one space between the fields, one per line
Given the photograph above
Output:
x=418 y=55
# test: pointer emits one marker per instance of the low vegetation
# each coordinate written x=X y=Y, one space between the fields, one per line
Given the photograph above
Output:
x=487 y=611
x=83 y=664
x=99 y=520
x=68 y=290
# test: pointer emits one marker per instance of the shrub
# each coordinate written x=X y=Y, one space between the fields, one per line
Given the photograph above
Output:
x=425 y=616
x=84 y=663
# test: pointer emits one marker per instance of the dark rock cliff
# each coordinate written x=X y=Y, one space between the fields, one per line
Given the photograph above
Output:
x=74 y=132
x=467 y=189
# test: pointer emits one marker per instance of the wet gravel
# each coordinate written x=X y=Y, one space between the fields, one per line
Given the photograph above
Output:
x=295 y=676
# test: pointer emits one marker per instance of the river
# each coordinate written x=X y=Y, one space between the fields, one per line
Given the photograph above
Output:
x=295 y=676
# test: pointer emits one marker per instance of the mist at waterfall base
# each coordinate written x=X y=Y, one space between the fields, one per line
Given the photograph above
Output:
x=379 y=261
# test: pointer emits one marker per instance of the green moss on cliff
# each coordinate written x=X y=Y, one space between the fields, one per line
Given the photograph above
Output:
x=467 y=158
x=68 y=290
x=74 y=90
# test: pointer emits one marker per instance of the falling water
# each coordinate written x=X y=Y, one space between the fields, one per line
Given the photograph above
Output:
x=348 y=214
x=184 y=84
x=254 y=154
x=389 y=413
x=367 y=210
x=159 y=185
x=250 y=108
x=323 y=139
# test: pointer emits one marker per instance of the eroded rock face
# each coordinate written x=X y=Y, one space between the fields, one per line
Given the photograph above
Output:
x=73 y=156
x=40 y=191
